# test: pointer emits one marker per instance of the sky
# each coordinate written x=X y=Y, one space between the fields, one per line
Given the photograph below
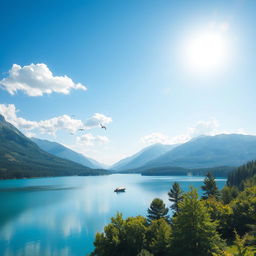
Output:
x=150 y=71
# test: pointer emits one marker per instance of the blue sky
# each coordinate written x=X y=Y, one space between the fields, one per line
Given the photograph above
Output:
x=131 y=57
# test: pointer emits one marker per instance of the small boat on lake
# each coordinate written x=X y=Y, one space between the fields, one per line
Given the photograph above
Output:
x=120 y=189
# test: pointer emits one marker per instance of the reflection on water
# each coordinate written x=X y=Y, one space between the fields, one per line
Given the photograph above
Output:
x=60 y=216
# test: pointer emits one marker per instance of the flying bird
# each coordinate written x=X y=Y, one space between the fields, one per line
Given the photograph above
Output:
x=103 y=127
x=81 y=129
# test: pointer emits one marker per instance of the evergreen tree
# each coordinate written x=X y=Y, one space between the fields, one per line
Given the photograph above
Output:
x=210 y=187
x=193 y=231
x=121 y=237
x=240 y=244
x=228 y=193
x=144 y=252
x=175 y=196
x=157 y=210
x=159 y=237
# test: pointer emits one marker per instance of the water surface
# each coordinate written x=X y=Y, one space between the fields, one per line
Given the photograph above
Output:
x=60 y=216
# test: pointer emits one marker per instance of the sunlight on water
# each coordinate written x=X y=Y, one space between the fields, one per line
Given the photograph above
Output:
x=60 y=216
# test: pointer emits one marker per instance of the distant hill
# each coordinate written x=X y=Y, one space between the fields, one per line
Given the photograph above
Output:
x=59 y=150
x=221 y=171
x=142 y=157
x=20 y=157
x=209 y=151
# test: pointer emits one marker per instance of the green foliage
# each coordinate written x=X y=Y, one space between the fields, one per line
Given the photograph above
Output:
x=210 y=188
x=242 y=173
x=244 y=210
x=157 y=210
x=121 y=237
x=221 y=214
x=175 y=196
x=194 y=233
x=250 y=182
x=228 y=193
x=144 y=252
x=240 y=243
x=159 y=237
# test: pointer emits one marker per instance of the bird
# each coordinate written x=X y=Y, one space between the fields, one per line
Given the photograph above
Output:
x=103 y=127
x=81 y=129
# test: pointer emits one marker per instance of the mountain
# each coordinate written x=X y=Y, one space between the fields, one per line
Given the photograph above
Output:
x=20 y=157
x=209 y=151
x=142 y=157
x=59 y=150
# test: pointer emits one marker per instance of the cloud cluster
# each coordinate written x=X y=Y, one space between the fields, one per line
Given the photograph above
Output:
x=209 y=127
x=96 y=120
x=36 y=80
x=89 y=139
x=51 y=126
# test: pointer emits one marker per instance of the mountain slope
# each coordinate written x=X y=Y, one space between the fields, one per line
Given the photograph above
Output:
x=20 y=157
x=59 y=150
x=209 y=151
x=142 y=157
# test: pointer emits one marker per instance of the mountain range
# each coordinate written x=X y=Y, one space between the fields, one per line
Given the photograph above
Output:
x=59 y=150
x=229 y=150
x=20 y=157
x=24 y=157
x=142 y=157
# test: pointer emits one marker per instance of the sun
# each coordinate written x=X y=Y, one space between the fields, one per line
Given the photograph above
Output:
x=206 y=51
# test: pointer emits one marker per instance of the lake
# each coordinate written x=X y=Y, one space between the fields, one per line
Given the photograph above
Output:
x=60 y=216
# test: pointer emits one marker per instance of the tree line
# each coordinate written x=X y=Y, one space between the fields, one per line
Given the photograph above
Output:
x=220 y=223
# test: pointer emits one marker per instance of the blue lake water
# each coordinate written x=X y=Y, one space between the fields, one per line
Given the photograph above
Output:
x=60 y=216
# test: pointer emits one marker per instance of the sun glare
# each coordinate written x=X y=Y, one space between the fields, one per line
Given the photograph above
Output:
x=206 y=51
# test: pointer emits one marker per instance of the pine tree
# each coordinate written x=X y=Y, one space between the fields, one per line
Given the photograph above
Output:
x=193 y=231
x=157 y=210
x=240 y=244
x=159 y=237
x=175 y=196
x=210 y=187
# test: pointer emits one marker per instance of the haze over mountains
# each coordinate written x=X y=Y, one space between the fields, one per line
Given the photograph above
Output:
x=142 y=157
x=61 y=151
x=20 y=157
x=202 y=152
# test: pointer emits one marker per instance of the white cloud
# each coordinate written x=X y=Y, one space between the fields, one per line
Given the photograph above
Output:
x=90 y=140
x=163 y=139
x=210 y=127
x=64 y=122
x=153 y=138
x=52 y=125
x=36 y=80
x=96 y=120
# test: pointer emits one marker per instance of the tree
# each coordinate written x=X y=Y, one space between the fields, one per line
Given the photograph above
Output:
x=228 y=193
x=210 y=187
x=193 y=231
x=121 y=237
x=159 y=237
x=240 y=244
x=175 y=196
x=244 y=209
x=222 y=214
x=144 y=252
x=157 y=210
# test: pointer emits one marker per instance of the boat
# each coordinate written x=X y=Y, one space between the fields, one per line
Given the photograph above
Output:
x=120 y=189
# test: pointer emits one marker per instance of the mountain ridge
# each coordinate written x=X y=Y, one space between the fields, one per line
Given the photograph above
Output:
x=62 y=151
x=141 y=157
x=209 y=151
x=22 y=158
